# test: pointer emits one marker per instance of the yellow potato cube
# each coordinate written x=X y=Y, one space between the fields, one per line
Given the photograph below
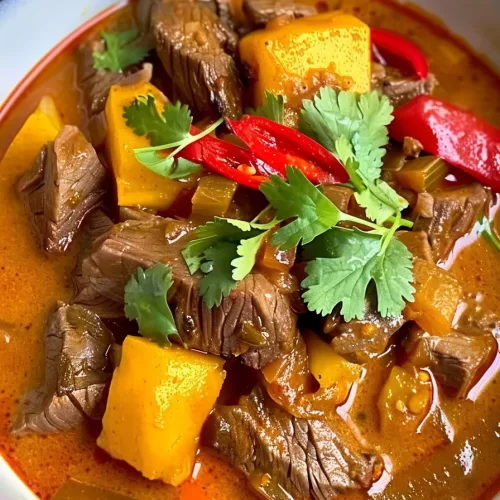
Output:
x=136 y=185
x=158 y=401
x=332 y=371
x=327 y=49
x=42 y=126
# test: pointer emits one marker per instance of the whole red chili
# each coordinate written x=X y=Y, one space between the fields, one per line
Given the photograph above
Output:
x=393 y=44
x=278 y=146
x=460 y=138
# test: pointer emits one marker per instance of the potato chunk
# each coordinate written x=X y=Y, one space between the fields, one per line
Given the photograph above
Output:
x=437 y=295
x=327 y=49
x=334 y=373
x=42 y=126
x=136 y=185
x=404 y=400
x=158 y=401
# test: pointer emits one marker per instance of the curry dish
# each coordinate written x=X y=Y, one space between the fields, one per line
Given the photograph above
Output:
x=249 y=250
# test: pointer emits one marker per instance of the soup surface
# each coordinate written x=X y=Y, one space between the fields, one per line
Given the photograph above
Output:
x=456 y=457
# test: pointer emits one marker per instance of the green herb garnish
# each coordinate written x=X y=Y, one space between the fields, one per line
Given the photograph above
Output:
x=349 y=259
x=170 y=129
x=225 y=251
x=146 y=302
x=354 y=128
x=273 y=107
x=120 y=52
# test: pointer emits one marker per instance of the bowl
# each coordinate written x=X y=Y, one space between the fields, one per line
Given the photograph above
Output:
x=475 y=22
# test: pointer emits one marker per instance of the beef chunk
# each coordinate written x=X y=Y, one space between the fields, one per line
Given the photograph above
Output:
x=77 y=371
x=361 y=339
x=65 y=184
x=456 y=360
x=304 y=458
x=260 y=12
x=95 y=229
x=95 y=84
x=255 y=307
x=454 y=213
x=399 y=89
x=196 y=50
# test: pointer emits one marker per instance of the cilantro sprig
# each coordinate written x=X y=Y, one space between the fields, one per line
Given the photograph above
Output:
x=354 y=128
x=313 y=212
x=146 y=302
x=165 y=130
x=273 y=107
x=344 y=261
x=122 y=50
x=225 y=251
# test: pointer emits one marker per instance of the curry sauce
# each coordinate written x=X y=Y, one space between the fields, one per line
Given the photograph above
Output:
x=453 y=454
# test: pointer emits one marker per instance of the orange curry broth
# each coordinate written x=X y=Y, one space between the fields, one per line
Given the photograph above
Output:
x=30 y=284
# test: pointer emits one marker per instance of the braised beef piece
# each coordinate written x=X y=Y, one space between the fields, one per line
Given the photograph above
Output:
x=359 y=340
x=66 y=182
x=96 y=83
x=303 y=458
x=457 y=360
x=95 y=229
x=77 y=371
x=398 y=88
x=260 y=12
x=196 y=49
x=455 y=212
x=254 y=322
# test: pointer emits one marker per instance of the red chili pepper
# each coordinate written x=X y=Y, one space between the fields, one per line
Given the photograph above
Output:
x=279 y=146
x=460 y=138
x=394 y=45
x=225 y=158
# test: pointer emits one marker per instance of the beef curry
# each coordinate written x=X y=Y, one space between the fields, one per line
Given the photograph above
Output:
x=250 y=250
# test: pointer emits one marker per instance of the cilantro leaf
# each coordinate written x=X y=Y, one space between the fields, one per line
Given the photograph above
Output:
x=272 y=108
x=168 y=166
x=217 y=281
x=120 y=52
x=361 y=119
x=146 y=302
x=247 y=251
x=212 y=233
x=393 y=277
x=354 y=128
x=171 y=126
x=298 y=198
x=355 y=259
x=380 y=201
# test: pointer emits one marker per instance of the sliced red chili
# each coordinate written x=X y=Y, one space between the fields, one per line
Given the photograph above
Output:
x=394 y=45
x=460 y=138
x=279 y=146
x=225 y=159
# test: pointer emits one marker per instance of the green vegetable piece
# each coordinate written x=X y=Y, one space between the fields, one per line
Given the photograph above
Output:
x=120 y=52
x=273 y=107
x=146 y=302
